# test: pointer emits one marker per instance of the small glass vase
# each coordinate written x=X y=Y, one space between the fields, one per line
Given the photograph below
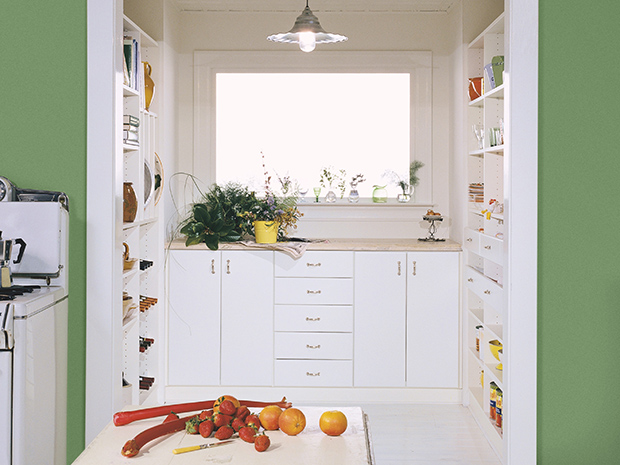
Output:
x=330 y=197
x=405 y=195
x=379 y=194
x=317 y=192
x=354 y=196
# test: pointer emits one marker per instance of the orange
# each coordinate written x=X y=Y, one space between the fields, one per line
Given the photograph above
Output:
x=292 y=421
x=219 y=400
x=269 y=417
x=333 y=422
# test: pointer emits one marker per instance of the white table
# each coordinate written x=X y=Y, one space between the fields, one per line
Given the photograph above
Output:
x=310 y=447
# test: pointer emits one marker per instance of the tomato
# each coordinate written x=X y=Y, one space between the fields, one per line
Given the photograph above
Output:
x=333 y=422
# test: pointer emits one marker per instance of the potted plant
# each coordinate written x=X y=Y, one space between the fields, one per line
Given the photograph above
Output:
x=271 y=216
x=354 y=196
x=217 y=216
x=406 y=184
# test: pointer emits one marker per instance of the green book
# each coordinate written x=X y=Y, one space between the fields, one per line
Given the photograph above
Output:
x=497 y=63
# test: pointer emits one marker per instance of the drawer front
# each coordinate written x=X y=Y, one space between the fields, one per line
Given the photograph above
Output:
x=492 y=249
x=314 y=373
x=471 y=240
x=483 y=287
x=316 y=346
x=315 y=264
x=309 y=291
x=314 y=318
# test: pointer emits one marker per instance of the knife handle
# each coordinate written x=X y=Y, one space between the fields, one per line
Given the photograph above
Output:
x=185 y=449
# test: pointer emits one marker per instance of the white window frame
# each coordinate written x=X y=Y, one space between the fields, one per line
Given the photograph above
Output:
x=416 y=63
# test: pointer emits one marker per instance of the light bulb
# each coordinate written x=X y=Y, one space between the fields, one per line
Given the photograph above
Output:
x=307 y=41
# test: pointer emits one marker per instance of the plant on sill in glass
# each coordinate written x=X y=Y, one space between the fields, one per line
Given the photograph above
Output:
x=354 y=195
x=330 y=176
x=408 y=184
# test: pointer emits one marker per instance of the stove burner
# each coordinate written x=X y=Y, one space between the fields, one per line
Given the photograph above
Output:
x=9 y=293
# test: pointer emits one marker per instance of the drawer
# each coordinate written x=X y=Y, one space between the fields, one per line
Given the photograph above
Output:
x=315 y=264
x=314 y=373
x=483 y=287
x=314 y=318
x=317 y=346
x=312 y=291
x=492 y=249
x=471 y=240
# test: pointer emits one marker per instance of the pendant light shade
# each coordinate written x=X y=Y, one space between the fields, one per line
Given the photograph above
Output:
x=307 y=32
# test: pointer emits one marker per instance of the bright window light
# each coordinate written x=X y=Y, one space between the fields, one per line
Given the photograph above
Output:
x=302 y=122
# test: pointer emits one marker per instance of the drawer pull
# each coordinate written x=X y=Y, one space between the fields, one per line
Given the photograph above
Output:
x=488 y=247
x=470 y=280
x=308 y=346
x=318 y=318
x=313 y=292
x=313 y=264
x=213 y=266
x=318 y=373
x=469 y=239
x=227 y=266
x=398 y=267
x=487 y=292
x=414 y=268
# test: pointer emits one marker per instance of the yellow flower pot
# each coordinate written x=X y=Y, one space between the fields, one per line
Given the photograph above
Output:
x=266 y=232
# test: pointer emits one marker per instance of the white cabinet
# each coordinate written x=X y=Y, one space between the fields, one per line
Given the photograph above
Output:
x=315 y=349
x=247 y=318
x=194 y=317
x=433 y=319
x=380 y=321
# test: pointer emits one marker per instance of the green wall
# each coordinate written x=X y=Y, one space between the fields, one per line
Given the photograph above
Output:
x=579 y=225
x=43 y=145
x=43 y=142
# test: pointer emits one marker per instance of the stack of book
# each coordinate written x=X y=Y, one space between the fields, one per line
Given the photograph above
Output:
x=130 y=130
x=476 y=192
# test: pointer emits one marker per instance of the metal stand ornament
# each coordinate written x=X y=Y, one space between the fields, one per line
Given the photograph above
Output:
x=432 y=229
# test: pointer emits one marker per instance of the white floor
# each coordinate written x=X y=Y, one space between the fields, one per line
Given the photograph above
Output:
x=422 y=434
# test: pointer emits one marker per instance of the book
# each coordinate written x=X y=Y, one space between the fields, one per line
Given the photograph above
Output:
x=489 y=81
x=131 y=120
x=497 y=63
x=129 y=127
x=130 y=136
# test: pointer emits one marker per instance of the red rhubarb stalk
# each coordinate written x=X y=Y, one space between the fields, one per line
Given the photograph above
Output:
x=124 y=418
x=133 y=446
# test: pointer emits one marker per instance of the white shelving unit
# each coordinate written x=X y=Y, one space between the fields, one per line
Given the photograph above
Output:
x=485 y=312
x=115 y=364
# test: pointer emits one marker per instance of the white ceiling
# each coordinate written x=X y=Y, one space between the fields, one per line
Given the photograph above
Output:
x=296 y=6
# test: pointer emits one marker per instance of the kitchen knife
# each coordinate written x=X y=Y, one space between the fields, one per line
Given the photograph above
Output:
x=204 y=446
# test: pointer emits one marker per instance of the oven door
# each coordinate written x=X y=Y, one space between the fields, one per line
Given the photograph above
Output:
x=6 y=395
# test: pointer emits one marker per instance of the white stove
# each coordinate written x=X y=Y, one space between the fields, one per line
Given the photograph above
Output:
x=33 y=337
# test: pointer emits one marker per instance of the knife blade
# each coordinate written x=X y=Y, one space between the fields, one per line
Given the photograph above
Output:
x=203 y=446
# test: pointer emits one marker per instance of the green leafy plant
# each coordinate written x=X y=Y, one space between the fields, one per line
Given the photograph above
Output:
x=414 y=180
x=217 y=217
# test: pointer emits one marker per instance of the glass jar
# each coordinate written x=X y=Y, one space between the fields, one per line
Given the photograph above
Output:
x=379 y=194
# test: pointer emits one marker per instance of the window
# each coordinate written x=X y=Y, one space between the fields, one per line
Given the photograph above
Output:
x=358 y=112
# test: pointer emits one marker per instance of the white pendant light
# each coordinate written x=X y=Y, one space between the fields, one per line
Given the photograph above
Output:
x=307 y=32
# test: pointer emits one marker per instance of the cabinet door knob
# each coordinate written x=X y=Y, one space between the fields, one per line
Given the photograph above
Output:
x=487 y=292
x=488 y=247
x=313 y=264
x=227 y=266
x=313 y=292
x=213 y=266
x=469 y=239
x=318 y=318
x=398 y=267
x=415 y=272
x=308 y=346
x=470 y=280
x=318 y=373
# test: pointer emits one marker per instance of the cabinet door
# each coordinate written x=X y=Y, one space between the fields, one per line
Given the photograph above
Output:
x=433 y=319
x=194 y=318
x=380 y=290
x=247 y=318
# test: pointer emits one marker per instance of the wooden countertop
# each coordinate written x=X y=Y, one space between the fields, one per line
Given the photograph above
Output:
x=407 y=245
x=310 y=447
